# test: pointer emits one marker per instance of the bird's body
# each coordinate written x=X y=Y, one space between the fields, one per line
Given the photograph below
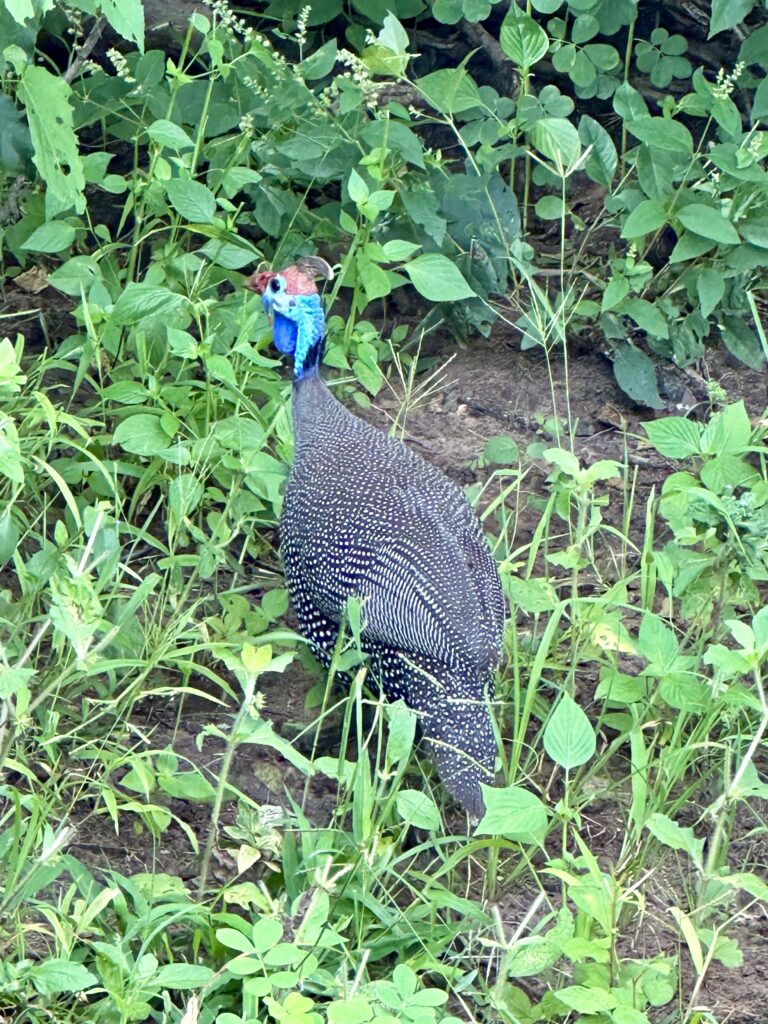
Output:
x=366 y=517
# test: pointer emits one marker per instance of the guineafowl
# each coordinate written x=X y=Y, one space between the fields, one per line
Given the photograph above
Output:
x=366 y=517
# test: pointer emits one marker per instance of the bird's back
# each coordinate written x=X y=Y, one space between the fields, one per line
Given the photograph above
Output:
x=365 y=516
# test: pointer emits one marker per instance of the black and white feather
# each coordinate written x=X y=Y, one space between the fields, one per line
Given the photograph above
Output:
x=366 y=517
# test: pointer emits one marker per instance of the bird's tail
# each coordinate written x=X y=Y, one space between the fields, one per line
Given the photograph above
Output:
x=457 y=729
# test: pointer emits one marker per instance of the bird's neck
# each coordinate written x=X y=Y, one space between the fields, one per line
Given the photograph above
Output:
x=312 y=360
x=313 y=407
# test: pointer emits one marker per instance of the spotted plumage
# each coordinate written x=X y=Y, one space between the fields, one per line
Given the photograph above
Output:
x=366 y=517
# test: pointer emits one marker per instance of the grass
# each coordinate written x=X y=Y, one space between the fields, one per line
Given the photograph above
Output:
x=606 y=699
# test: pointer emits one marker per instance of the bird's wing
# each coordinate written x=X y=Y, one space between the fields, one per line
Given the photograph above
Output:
x=428 y=592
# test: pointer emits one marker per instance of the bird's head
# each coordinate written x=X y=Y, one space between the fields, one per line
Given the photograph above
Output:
x=292 y=301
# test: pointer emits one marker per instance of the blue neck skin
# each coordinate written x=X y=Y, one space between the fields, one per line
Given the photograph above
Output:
x=298 y=329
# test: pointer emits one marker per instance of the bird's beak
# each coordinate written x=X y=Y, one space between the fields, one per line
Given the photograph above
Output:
x=250 y=283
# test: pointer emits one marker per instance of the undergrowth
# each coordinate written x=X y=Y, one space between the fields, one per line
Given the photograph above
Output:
x=142 y=459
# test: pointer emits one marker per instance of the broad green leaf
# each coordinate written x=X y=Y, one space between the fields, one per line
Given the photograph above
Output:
x=231 y=938
x=437 y=279
x=14 y=680
x=15 y=141
x=727 y=14
x=741 y=341
x=357 y=188
x=676 y=837
x=707 y=222
x=710 y=287
x=689 y=246
x=728 y=432
x=635 y=374
x=586 y=999
x=56 y=974
x=760 y=101
x=191 y=199
x=657 y=643
x=603 y=160
x=183 y=976
x=142 y=301
x=647 y=216
x=127 y=19
x=662 y=133
x=648 y=317
x=53 y=236
x=56 y=155
x=450 y=90
x=417 y=808
x=396 y=250
x=674 y=436
x=522 y=39
x=172 y=136
x=569 y=738
x=615 y=292
x=515 y=813
x=501 y=450
x=142 y=434
x=532 y=596
x=557 y=139
x=320 y=63
x=20 y=10
x=550 y=208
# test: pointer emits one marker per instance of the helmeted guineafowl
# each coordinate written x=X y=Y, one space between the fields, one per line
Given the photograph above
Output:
x=366 y=517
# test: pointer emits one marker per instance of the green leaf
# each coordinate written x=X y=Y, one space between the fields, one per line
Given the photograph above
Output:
x=648 y=317
x=603 y=160
x=142 y=434
x=741 y=341
x=320 y=63
x=557 y=139
x=172 y=136
x=647 y=216
x=674 y=436
x=522 y=39
x=437 y=279
x=418 y=809
x=635 y=374
x=728 y=14
x=357 y=188
x=586 y=1000
x=760 y=101
x=569 y=738
x=396 y=250
x=15 y=141
x=728 y=432
x=191 y=200
x=550 y=208
x=127 y=19
x=501 y=450
x=450 y=90
x=662 y=133
x=615 y=292
x=708 y=222
x=515 y=813
x=670 y=834
x=143 y=301
x=183 y=976
x=55 y=974
x=710 y=287
x=56 y=155
x=689 y=246
x=52 y=236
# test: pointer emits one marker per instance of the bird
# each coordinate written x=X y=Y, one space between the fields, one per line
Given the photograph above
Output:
x=366 y=517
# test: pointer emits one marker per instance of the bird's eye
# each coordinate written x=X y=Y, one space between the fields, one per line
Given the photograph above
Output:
x=274 y=285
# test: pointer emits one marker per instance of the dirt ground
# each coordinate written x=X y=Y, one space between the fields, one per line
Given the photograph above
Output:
x=490 y=389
